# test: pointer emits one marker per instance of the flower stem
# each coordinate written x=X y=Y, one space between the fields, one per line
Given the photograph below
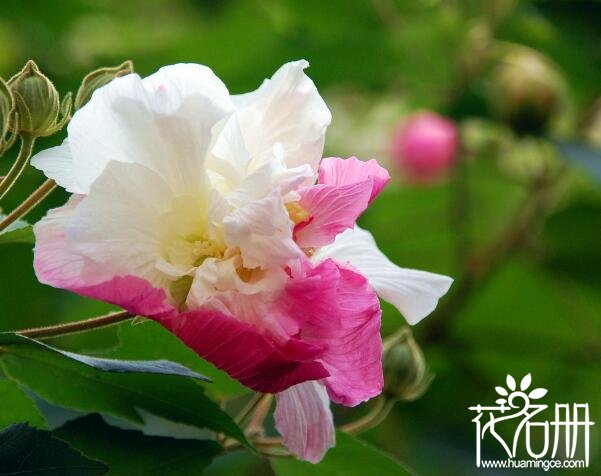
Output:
x=79 y=326
x=249 y=408
x=255 y=426
x=19 y=165
x=29 y=203
x=373 y=418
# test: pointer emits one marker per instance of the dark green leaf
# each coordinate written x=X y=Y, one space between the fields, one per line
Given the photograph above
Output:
x=25 y=450
x=17 y=232
x=69 y=383
x=109 y=365
x=131 y=452
x=351 y=456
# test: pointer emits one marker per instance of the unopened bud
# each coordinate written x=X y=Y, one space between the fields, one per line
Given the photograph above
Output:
x=592 y=126
x=525 y=90
x=39 y=110
x=406 y=375
x=97 y=79
x=7 y=105
x=425 y=146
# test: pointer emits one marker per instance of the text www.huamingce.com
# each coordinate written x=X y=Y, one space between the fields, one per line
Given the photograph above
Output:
x=533 y=463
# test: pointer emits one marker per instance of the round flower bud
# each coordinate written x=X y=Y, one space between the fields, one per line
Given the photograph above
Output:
x=406 y=376
x=98 y=78
x=6 y=108
x=525 y=91
x=425 y=147
x=37 y=103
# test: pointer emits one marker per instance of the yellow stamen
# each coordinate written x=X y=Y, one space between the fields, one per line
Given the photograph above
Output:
x=297 y=212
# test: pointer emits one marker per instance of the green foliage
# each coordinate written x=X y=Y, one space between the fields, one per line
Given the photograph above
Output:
x=148 y=340
x=18 y=407
x=351 y=456
x=131 y=452
x=69 y=383
x=25 y=450
x=17 y=232
x=16 y=343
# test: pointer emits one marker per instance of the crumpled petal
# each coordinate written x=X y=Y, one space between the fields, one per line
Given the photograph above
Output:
x=121 y=225
x=263 y=232
x=333 y=209
x=57 y=265
x=286 y=109
x=338 y=310
x=304 y=419
x=345 y=188
x=163 y=122
x=336 y=171
x=245 y=352
x=414 y=293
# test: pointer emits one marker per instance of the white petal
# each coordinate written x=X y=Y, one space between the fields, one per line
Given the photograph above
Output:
x=121 y=224
x=263 y=232
x=219 y=276
x=57 y=164
x=286 y=109
x=270 y=177
x=229 y=158
x=303 y=417
x=163 y=122
x=414 y=293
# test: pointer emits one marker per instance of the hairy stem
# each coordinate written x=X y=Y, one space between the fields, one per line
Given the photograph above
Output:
x=29 y=203
x=19 y=165
x=79 y=326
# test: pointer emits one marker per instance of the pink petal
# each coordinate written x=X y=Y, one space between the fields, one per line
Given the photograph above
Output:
x=303 y=417
x=339 y=311
x=333 y=209
x=246 y=353
x=336 y=171
x=57 y=266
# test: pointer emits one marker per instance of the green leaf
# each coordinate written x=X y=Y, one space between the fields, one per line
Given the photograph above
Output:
x=16 y=406
x=351 y=456
x=147 y=340
x=109 y=365
x=17 y=232
x=25 y=450
x=70 y=383
x=131 y=452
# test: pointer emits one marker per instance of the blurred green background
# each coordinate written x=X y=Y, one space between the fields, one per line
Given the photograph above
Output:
x=528 y=305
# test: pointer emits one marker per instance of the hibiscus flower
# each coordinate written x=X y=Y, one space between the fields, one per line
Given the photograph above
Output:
x=214 y=215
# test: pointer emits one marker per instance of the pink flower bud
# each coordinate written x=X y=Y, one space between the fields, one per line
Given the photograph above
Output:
x=425 y=146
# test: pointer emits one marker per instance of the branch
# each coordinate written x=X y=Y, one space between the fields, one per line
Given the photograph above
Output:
x=29 y=203
x=79 y=326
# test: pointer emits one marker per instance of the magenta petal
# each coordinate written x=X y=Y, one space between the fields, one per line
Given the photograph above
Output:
x=244 y=352
x=57 y=266
x=336 y=171
x=333 y=209
x=303 y=418
x=133 y=294
x=339 y=311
